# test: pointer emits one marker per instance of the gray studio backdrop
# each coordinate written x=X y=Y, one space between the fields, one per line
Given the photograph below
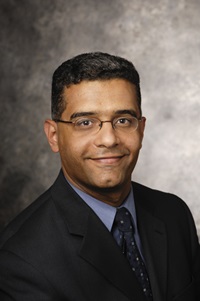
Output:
x=162 y=38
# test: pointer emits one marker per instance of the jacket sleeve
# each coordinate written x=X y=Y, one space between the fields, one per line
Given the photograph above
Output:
x=19 y=281
x=197 y=274
x=196 y=257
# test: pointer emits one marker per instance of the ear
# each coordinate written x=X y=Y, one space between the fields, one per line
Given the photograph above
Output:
x=143 y=123
x=142 y=128
x=50 y=128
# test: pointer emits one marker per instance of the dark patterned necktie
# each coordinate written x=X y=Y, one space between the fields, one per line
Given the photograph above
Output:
x=129 y=248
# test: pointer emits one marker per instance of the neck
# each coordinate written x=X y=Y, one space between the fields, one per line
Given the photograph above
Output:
x=113 y=196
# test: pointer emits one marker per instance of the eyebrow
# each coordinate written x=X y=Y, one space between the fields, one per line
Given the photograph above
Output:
x=118 y=112
x=126 y=112
x=80 y=114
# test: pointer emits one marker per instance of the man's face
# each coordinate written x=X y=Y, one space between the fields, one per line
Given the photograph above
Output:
x=99 y=163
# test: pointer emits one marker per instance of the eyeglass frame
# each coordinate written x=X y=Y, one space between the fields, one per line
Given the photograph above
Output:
x=100 y=121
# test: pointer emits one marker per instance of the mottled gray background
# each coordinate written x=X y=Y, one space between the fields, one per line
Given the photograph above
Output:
x=162 y=38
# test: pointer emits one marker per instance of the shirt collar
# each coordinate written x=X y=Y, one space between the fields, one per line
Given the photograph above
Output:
x=105 y=212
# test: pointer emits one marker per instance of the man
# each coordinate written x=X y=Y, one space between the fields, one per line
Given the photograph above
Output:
x=72 y=243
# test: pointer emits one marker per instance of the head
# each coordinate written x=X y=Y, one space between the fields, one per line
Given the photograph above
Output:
x=90 y=67
x=97 y=95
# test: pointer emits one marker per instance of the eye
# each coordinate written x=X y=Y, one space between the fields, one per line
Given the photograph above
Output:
x=84 y=122
x=123 y=121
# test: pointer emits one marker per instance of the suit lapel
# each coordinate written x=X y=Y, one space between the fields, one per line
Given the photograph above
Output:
x=154 y=242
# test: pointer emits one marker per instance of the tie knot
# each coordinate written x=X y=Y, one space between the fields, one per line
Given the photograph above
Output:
x=123 y=220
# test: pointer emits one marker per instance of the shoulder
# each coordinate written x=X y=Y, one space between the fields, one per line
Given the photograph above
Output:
x=22 y=220
x=166 y=207
x=160 y=203
x=35 y=216
x=41 y=223
x=155 y=196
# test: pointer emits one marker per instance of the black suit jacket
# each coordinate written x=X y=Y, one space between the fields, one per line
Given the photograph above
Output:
x=58 y=249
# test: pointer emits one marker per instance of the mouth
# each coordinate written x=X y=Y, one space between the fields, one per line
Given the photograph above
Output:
x=108 y=160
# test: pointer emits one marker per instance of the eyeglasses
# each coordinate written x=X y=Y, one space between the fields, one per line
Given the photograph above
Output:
x=93 y=125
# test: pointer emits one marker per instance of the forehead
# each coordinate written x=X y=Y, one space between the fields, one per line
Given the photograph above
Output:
x=101 y=96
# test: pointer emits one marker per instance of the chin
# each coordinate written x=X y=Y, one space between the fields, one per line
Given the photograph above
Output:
x=110 y=185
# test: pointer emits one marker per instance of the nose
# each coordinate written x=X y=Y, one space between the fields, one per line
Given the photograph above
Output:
x=107 y=136
x=102 y=122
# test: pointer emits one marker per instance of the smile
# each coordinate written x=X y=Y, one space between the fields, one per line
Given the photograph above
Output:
x=107 y=160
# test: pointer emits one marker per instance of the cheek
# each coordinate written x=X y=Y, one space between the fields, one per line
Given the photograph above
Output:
x=133 y=143
x=72 y=148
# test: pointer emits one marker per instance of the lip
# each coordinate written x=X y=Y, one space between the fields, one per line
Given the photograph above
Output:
x=108 y=160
